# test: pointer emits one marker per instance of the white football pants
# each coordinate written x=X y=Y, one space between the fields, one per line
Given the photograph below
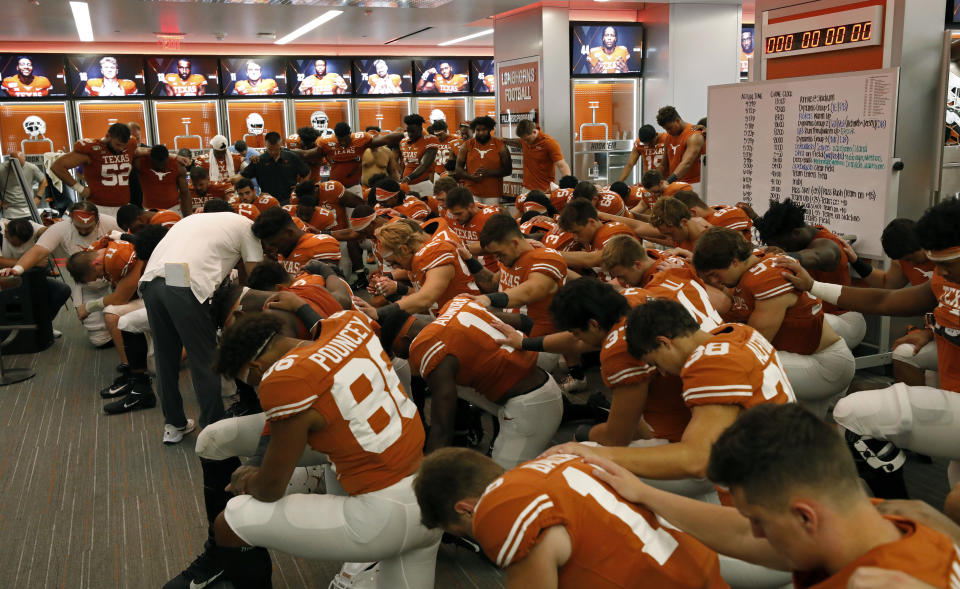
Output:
x=819 y=379
x=851 y=326
x=94 y=324
x=925 y=359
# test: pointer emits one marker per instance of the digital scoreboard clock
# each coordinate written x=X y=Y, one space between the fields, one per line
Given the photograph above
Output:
x=833 y=31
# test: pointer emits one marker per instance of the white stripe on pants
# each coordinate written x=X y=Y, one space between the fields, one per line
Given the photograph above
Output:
x=819 y=379
x=382 y=525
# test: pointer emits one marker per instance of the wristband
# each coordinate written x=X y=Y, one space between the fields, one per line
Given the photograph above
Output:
x=796 y=256
x=532 y=344
x=828 y=293
x=526 y=324
x=473 y=265
x=862 y=267
x=308 y=316
x=499 y=300
x=94 y=305
x=77 y=187
x=671 y=178
x=17 y=269
x=402 y=288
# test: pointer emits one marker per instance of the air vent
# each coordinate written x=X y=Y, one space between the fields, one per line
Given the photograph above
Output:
x=266 y=36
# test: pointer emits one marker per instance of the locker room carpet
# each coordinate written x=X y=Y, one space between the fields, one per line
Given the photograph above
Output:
x=89 y=500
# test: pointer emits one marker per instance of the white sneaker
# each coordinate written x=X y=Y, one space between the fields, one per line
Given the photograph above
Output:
x=356 y=575
x=571 y=386
x=57 y=334
x=173 y=434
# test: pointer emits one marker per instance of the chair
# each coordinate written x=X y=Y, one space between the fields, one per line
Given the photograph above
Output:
x=10 y=376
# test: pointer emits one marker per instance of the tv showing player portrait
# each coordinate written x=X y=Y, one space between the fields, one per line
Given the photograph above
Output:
x=746 y=50
x=32 y=76
x=484 y=76
x=319 y=76
x=253 y=76
x=442 y=76
x=106 y=76
x=182 y=76
x=382 y=76
x=606 y=50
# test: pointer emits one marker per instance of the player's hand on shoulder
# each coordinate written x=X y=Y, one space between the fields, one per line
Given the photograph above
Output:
x=482 y=300
x=511 y=337
x=680 y=253
x=794 y=273
x=365 y=308
x=877 y=578
x=575 y=448
x=624 y=482
x=284 y=301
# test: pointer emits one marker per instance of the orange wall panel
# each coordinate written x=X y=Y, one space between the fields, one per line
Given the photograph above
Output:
x=95 y=117
x=11 y=126
x=485 y=107
x=607 y=98
x=336 y=111
x=386 y=114
x=237 y=112
x=455 y=110
x=186 y=118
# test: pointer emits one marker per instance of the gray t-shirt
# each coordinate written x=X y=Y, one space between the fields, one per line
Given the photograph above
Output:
x=8 y=250
x=14 y=204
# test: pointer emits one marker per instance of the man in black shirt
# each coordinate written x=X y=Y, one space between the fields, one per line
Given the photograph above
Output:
x=277 y=170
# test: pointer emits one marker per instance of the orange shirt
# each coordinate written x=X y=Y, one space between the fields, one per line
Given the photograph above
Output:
x=947 y=317
x=39 y=86
x=636 y=195
x=651 y=156
x=737 y=366
x=328 y=83
x=119 y=260
x=258 y=88
x=108 y=173
x=538 y=225
x=669 y=190
x=608 y=201
x=615 y=543
x=539 y=160
x=449 y=149
x=96 y=87
x=222 y=190
x=413 y=208
x=329 y=193
x=560 y=240
x=345 y=160
x=321 y=219
x=160 y=188
x=471 y=232
x=374 y=441
x=311 y=246
x=166 y=218
x=840 y=274
x=560 y=197
x=916 y=273
x=435 y=254
x=538 y=260
x=484 y=155
x=465 y=330
x=189 y=87
x=204 y=161
x=247 y=210
x=412 y=154
x=313 y=289
x=456 y=83
x=608 y=61
x=732 y=218
x=675 y=146
x=390 y=84
x=265 y=201
x=803 y=322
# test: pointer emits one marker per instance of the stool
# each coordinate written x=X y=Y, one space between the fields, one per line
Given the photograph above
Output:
x=14 y=375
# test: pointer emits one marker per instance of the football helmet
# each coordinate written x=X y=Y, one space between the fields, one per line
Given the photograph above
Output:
x=319 y=120
x=34 y=126
x=437 y=115
x=255 y=124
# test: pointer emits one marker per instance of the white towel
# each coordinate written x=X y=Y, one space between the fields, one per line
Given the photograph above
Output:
x=215 y=168
x=48 y=159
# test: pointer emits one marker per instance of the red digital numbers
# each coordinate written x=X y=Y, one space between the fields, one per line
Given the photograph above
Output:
x=824 y=37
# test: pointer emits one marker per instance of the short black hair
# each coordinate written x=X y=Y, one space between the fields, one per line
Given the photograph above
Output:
x=240 y=146
x=459 y=197
x=781 y=218
x=583 y=299
x=244 y=183
x=308 y=135
x=772 y=449
x=368 y=129
x=391 y=319
x=241 y=340
x=272 y=138
x=539 y=197
x=667 y=115
x=341 y=129
x=483 y=121
x=439 y=125
x=159 y=153
x=127 y=214
x=937 y=228
x=651 y=178
x=690 y=198
x=22 y=229
x=450 y=165
x=413 y=119
x=899 y=238
x=655 y=318
x=119 y=131
x=702 y=122
x=217 y=205
x=498 y=229
x=719 y=247
x=525 y=127
x=586 y=190
x=646 y=134
x=568 y=182
x=146 y=240
x=198 y=173
x=622 y=189
x=390 y=185
x=267 y=275
x=270 y=222
x=306 y=189
x=578 y=212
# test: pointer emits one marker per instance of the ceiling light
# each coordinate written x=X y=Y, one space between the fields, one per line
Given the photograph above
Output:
x=81 y=16
x=468 y=37
x=325 y=17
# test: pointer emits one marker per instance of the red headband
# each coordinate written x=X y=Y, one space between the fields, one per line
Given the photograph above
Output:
x=384 y=195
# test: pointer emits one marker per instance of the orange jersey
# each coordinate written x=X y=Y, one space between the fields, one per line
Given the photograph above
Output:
x=491 y=83
x=560 y=197
x=675 y=146
x=389 y=84
x=803 y=322
x=246 y=209
x=311 y=246
x=328 y=194
x=471 y=231
x=539 y=224
x=193 y=86
x=465 y=330
x=732 y=218
x=321 y=219
x=456 y=83
x=97 y=87
x=840 y=273
x=258 y=88
x=223 y=190
x=372 y=434
x=108 y=173
x=265 y=201
x=414 y=208
x=160 y=188
x=411 y=153
x=329 y=83
x=345 y=160
x=38 y=86
x=204 y=161
x=605 y=233
x=947 y=330
x=560 y=240
x=438 y=228
x=608 y=201
x=615 y=543
x=916 y=273
x=437 y=253
x=313 y=289
x=119 y=260
x=523 y=205
x=166 y=218
x=448 y=150
x=609 y=63
x=636 y=196
x=737 y=366
x=484 y=155
x=539 y=160
x=651 y=156
x=921 y=552
x=538 y=260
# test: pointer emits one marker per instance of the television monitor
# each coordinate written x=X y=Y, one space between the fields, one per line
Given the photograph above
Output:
x=182 y=76
x=32 y=76
x=382 y=76
x=319 y=76
x=442 y=76
x=614 y=49
x=106 y=76
x=953 y=14
x=484 y=76
x=253 y=76
x=746 y=50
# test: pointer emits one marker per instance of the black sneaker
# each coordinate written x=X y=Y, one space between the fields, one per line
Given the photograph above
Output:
x=239 y=409
x=203 y=571
x=120 y=386
x=140 y=397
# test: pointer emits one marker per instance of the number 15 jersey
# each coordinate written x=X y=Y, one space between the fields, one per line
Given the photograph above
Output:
x=372 y=435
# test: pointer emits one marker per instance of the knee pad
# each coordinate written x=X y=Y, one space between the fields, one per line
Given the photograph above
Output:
x=877 y=413
x=904 y=353
x=214 y=441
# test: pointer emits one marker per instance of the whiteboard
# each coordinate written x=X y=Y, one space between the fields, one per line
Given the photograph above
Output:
x=825 y=141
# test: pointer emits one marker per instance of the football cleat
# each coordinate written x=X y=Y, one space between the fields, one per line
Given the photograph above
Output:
x=120 y=385
x=203 y=571
x=356 y=575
